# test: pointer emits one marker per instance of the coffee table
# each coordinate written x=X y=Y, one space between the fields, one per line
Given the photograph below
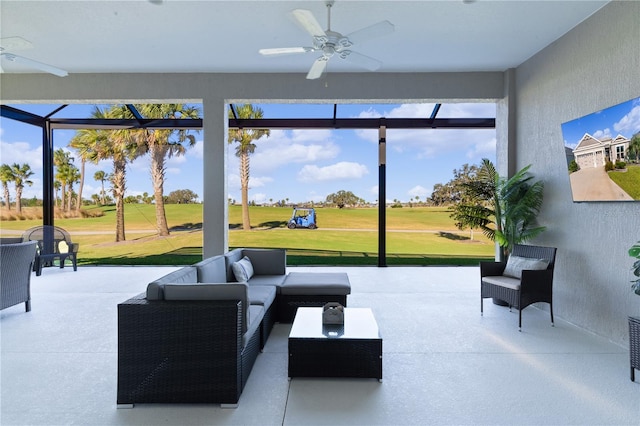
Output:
x=350 y=350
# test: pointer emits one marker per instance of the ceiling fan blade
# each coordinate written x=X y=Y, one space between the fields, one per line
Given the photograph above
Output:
x=361 y=60
x=285 y=50
x=35 y=64
x=309 y=22
x=376 y=30
x=317 y=68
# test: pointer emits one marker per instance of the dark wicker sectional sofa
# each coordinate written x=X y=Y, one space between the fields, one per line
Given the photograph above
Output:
x=195 y=334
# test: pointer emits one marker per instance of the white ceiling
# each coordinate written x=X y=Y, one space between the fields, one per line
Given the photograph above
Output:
x=224 y=36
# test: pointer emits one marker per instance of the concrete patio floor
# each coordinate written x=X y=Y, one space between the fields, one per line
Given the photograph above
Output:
x=443 y=363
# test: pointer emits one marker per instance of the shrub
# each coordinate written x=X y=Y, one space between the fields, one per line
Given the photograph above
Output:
x=620 y=164
x=573 y=166
x=608 y=166
x=91 y=213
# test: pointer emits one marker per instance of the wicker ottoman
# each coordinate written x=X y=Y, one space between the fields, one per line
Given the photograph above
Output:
x=311 y=289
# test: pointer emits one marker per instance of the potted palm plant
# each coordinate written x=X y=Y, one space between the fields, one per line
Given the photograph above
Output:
x=505 y=209
x=634 y=322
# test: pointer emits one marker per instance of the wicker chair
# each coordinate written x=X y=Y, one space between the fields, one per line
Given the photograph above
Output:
x=533 y=286
x=53 y=243
x=16 y=262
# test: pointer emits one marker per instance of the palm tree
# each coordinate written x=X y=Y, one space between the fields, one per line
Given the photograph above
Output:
x=6 y=176
x=101 y=176
x=62 y=159
x=504 y=209
x=56 y=188
x=162 y=144
x=245 y=147
x=120 y=146
x=21 y=175
x=84 y=143
x=72 y=176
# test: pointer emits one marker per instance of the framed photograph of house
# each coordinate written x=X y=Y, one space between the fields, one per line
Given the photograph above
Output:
x=603 y=154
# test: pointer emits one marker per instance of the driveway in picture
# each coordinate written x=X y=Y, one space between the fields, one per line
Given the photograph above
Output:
x=594 y=184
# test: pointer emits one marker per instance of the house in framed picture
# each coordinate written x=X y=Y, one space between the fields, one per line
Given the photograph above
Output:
x=593 y=152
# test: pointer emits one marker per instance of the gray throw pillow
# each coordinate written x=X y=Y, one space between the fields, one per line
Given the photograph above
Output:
x=242 y=269
x=516 y=264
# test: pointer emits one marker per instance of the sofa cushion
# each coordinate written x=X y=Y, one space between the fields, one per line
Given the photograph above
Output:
x=242 y=269
x=267 y=261
x=219 y=291
x=262 y=295
x=316 y=283
x=516 y=264
x=229 y=259
x=212 y=270
x=270 y=280
x=155 y=289
x=502 y=281
x=256 y=314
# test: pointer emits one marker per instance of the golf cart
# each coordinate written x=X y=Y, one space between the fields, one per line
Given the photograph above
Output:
x=302 y=218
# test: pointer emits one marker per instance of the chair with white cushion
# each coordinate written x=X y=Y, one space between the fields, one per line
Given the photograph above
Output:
x=525 y=278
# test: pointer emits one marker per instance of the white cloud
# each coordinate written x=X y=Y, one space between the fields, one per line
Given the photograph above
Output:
x=175 y=160
x=374 y=189
x=196 y=151
x=172 y=170
x=601 y=134
x=484 y=148
x=287 y=147
x=21 y=153
x=630 y=123
x=259 y=181
x=233 y=182
x=419 y=191
x=308 y=135
x=343 y=170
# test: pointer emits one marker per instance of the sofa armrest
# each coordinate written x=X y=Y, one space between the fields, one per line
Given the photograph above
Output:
x=267 y=261
x=537 y=281
x=492 y=269
x=179 y=351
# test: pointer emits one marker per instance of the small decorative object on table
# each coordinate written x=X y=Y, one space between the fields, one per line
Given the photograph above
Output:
x=634 y=322
x=333 y=313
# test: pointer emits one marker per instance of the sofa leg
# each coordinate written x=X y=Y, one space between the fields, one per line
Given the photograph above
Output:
x=519 y=319
x=27 y=306
x=120 y=406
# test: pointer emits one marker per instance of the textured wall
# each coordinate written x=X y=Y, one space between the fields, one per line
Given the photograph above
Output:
x=594 y=66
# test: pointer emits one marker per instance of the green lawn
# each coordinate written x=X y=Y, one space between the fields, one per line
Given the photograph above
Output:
x=628 y=180
x=416 y=236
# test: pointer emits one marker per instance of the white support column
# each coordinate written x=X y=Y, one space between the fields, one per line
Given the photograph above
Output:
x=215 y=214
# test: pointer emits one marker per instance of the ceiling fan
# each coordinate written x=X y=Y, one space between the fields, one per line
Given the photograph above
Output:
x=331 y=43
x=18 y=43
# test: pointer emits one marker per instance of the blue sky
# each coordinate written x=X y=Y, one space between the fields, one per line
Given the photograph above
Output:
x=623 y=119
x=301 y=165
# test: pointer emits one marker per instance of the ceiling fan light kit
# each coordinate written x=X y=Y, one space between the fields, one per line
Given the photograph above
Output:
x=331 y=43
